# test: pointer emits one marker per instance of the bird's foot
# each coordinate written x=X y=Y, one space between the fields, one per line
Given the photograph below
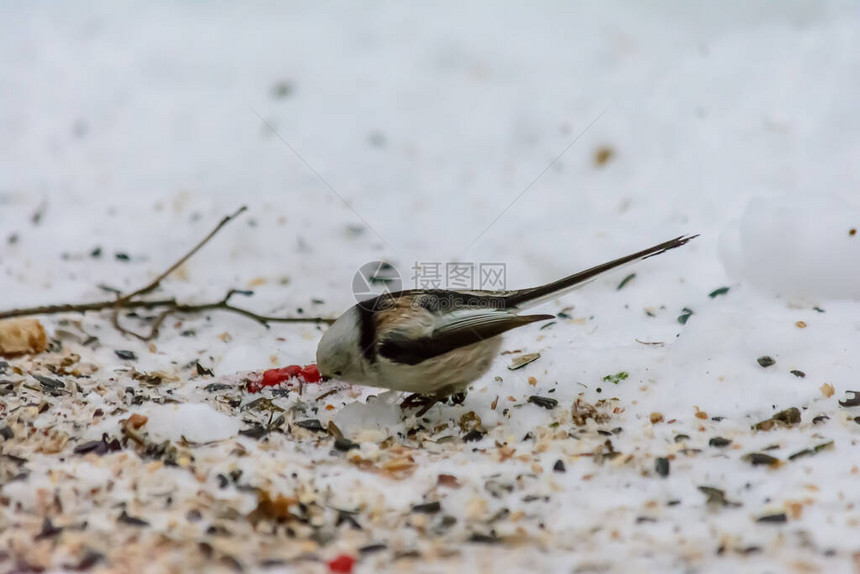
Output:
x=423 y=402
x=426 y=402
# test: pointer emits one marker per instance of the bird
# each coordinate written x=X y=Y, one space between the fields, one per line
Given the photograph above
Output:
x=434 y=343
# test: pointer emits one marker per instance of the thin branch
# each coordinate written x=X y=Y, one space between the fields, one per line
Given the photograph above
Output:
x=167 y=307
x=82 y=307
x=157 y=281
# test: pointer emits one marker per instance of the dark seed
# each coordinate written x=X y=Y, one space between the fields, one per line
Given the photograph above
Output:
x=91 y=446
x=122 y=256
x=718 y=292
x=282 y=89
x=257 y=431
x=203 y=371
x=50 y=384
x=427 y=507
x=765 y=361
x=125 y=355
x=48 y=530
x=215 y=387
x=820 y=419
x=343 y=516
x=790 y=416
x=559 y=466
x=780 y=518
x=344 y=444
x=484 y=539
x=89 y=559
x=685 y=315
x=760 y=458
x=716 y=496
x=719 y=442
x=625 y=281
x=681 y=437
x=852 y=401
x=193 y=515
x=7 y=433
x=371 y=548
x=544 y=402
x=473 y=436
x=125 y=518
x=311 y=425
x=799 y=374
x=661 y=466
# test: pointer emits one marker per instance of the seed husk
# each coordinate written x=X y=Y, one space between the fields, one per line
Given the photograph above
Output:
x=760 y=458
x=852 y=401
x=544 y=402
x=523 y=360
x=766 y=361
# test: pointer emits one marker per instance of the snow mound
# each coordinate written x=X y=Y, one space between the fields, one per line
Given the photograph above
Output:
x=196 y=422
x=376 y=419
x=796 y=247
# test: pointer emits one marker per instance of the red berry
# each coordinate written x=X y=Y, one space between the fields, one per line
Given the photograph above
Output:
x=311 y=374
x=342 y=563
x=274 y=377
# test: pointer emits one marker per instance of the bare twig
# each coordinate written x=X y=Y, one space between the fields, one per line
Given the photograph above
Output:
x=167 y=307
x=82 y=307
x=157 y=281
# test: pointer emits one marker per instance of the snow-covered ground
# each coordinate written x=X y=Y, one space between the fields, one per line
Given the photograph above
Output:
x=132 y=128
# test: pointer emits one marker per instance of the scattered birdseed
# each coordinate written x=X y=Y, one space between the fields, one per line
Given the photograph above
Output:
x=717 y=292
x=852 y=401
x=625 y=281
x=814 y=450
x=765 y=361
x=544 y=402
x=427 y=507
x=344 y=444
x=473 y=436
x=760 y=458
x=125 y=518
x=716 y=497
x=523 y=360
x=311 y=425
x=685 y=315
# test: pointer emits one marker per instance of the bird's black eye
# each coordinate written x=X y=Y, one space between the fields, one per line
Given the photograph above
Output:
x=338 y=373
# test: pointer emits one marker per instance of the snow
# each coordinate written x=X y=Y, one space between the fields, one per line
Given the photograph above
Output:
x=797 y=247
x=194 y=422
x=134 y=127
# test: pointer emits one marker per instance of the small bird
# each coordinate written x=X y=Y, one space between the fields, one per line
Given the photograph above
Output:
x=434 y=343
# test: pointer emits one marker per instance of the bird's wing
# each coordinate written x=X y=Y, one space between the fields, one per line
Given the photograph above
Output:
x=452 y=331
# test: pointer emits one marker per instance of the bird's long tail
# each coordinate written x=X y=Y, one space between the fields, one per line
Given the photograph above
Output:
x=526 y=298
